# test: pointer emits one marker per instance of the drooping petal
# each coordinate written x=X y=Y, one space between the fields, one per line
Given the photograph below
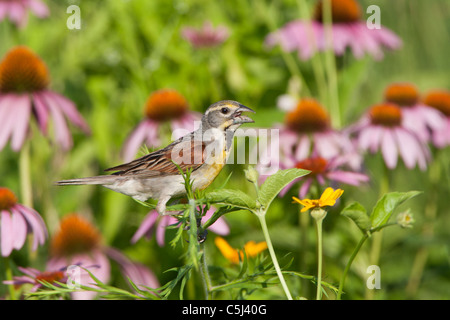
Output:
x=146 y=226
x=137 y=138
x=42 y=113
x=219 y=227
x=36 y=224
x=22 y=106
x=69 y=109
x=7 y=237
x=39 y=8
x=7 y=115
x=19 y=229
x=389 y=149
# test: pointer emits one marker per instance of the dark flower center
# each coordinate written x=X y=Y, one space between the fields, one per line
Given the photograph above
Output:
x=440 y=100
x=165 y=104
x=388 y=115
x=403 y=94
x=342 y=11
x=7 y=199
x=76 y=235
x=317 y=165
x=308 y=116
x=21 y=70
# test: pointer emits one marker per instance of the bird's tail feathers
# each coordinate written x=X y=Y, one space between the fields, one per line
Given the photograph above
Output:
x=103 y=180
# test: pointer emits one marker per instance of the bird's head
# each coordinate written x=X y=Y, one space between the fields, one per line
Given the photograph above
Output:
x=225 y=115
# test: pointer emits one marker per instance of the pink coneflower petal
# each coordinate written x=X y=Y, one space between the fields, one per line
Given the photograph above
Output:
x=146 y=226
x=164 y=222
x=22 y=112
x=305 y=188
x=146 y=131
x=389 y=149
x=17 y=13
x=69 y=109
x=7 y=116
x=61 y=129
x=407 y=147
x=352 y=178
x=42 y=113
x=7 y=239
x=19 y=229
x=39 y=8
x=36 y=223
x=388 y=38
x=303 y=148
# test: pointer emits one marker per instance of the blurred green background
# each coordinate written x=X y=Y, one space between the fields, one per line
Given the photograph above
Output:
x=127 y=49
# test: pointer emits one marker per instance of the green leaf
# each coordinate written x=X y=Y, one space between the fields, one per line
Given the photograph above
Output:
x=358 y=214
x=276 y=182
x=387 y=204
x=235 y=198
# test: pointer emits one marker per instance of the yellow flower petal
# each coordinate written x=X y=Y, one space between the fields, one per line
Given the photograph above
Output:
x=328 y=198
x=227 y=251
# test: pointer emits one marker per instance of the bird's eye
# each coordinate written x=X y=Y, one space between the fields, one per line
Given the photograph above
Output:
x=224 y=110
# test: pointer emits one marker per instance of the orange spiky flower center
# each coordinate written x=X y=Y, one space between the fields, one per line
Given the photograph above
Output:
x=342 y=11
x=388 y=115
x=50 y=276
x=440 y=100
x=165 y=104
x=403 y=94
x=7 y=199
x=76 y=236
x=308 y=116
x=21 y=70
x=317 y=165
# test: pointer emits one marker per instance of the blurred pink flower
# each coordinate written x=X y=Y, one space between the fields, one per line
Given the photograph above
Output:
x=324 y=172
x=34 y=276
x=16 y=221
x=307 y=131
x=78 y=242
x=383 y=129
x=16 y=10
x=205 y=37
x=348 y=30
x=417 y=116
x=24 y=92
x=154 y=221
x=440 y=100
x=162 y=106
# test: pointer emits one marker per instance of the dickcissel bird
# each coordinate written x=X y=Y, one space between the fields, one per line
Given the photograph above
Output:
x=156 y=174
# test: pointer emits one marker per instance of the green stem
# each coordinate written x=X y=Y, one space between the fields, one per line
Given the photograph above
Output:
x=319 y=259
x=349 y=264
x=205 y=274
x=262 y=220
x=9 y=277
x=330 y=65
x=25 y=176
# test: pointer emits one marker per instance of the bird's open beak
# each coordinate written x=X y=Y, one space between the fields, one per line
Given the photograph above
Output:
x=238 y=118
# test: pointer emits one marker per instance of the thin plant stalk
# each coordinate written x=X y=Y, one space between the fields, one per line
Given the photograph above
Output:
x=206 y=279
x=9 y=277
x=319 y=259
x=25 y=176
x=262 y=220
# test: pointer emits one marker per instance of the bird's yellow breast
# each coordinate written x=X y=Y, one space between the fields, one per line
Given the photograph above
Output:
x=206 y=174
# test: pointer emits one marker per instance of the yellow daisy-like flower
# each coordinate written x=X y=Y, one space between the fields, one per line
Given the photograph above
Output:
x=251 y=248
x=328 y=198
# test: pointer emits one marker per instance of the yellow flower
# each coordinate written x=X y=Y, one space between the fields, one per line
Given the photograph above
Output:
x=251 y=248
x=328 y=198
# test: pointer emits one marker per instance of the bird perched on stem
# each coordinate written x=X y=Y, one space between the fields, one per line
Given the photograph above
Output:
x=157 y=176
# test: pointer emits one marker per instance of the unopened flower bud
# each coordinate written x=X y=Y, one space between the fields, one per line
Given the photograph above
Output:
x=251 y=174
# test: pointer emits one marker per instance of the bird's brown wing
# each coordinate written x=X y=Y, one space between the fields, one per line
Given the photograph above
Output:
x=187 y=154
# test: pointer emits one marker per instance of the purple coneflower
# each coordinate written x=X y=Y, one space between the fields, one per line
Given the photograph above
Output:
x=16 y=10
x=336 y=170
x=162 y=106
x=35 y=277
x=307 y=130
x=24 y=92
x=78 y=242
x=440 y=100
x=383 y=129
x=417 y=116
x=155 y=223
x=348 y=30
x=205 y=37
x=16 y=222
